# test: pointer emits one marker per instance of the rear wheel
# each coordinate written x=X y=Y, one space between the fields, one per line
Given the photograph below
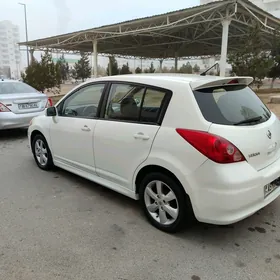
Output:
x=42 y=153
x=165 y=203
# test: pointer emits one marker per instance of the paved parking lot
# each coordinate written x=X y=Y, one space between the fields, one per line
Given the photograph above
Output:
x=55 y=225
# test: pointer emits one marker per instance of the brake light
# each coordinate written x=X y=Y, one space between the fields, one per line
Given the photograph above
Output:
x=3 y=108
x=49 y=103
x=235 y=81
x=212 y=146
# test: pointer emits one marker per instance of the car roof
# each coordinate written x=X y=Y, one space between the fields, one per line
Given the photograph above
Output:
x=195 y=81
x=154 y=76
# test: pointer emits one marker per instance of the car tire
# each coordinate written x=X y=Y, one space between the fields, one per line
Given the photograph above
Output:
x=165 y=203
x=42 y=153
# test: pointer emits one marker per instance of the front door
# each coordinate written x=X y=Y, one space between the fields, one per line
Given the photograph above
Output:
x=72 y=130
x=124 y=137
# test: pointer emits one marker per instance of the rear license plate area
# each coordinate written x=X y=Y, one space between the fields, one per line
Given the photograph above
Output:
x=271 y=187
x=25 y=106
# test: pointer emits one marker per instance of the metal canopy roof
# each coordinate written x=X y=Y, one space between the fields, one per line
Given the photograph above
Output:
x=184 y=33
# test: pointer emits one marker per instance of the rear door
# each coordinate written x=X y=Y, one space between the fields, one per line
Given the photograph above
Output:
x=237 y=114
x=20 y=98
x=124 y=137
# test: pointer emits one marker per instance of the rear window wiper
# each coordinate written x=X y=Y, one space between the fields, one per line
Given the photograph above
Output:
x=252 y=120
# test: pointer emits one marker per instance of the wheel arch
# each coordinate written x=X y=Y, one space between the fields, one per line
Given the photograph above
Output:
x=154 y=168
x=34 y=133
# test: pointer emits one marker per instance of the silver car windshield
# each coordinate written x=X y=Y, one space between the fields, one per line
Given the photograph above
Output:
x=14 y=87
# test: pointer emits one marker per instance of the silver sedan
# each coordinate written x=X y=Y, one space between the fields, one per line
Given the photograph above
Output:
x=19 y=104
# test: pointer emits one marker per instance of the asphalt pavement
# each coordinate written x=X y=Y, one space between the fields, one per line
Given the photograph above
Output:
x=55 y=225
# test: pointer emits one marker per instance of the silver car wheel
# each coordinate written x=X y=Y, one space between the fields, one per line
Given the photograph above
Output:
x=161 y=202
x=41 y=152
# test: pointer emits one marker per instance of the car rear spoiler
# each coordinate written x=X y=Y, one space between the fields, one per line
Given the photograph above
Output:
x=208 y=83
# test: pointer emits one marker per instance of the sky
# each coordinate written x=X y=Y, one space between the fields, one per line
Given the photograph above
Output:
x=52 y=17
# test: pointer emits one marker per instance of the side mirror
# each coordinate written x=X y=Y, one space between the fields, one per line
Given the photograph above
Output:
x=51 y=112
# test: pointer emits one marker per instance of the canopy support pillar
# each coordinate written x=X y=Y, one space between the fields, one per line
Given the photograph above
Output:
x=32 y=59
x=176 y=62
x=224 y=48
x=110 y=66
x=160 y=65
x=95 y=59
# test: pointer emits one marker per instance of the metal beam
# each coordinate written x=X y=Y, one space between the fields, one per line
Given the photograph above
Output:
x=191 y=32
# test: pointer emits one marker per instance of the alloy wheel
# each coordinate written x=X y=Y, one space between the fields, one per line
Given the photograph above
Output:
x=41 y=152
x=161 y=202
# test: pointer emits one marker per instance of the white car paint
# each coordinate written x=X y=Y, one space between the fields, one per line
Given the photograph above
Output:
x=112 y=153
x=79 y=148
x=129 y=146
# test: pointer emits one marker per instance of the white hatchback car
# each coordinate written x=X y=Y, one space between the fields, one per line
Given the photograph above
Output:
x=187 y=146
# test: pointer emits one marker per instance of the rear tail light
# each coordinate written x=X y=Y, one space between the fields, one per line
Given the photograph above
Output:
x=3 y=108
x=49 y=103
x=212 y=146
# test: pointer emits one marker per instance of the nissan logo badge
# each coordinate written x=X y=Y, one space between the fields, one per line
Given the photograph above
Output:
x=268 y=134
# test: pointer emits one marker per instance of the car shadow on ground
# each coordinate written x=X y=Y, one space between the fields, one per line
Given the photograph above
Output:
x=261 y=228
x=259 y=224
x=12 y=134
x=108 y=194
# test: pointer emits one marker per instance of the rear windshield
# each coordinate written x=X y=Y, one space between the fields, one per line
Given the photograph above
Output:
x=15 y=87
x=231 y=105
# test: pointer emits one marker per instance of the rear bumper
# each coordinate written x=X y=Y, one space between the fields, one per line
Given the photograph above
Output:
x=9 y=120
x=225 y=194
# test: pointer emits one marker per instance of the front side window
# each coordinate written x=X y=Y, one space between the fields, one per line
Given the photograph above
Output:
x=84 y=102
x=231 y=105
x=130 y=102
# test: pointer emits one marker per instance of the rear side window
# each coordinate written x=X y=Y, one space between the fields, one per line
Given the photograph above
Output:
x=152 y=105
x=124 y=102
x=231 y=105
x=137 y=103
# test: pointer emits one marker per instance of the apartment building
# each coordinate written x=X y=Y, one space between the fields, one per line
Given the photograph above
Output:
x=9 y=50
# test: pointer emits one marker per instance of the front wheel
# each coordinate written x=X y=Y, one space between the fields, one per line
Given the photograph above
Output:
x=42 y=153
x=165 y=202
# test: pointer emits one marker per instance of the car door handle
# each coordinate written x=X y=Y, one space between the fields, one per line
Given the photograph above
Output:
x=85 y=128
x=141 y=135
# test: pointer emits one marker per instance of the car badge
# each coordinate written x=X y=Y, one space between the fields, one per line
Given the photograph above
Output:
x=268 y=134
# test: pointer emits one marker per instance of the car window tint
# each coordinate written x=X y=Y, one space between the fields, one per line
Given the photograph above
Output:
x=152 y=105
x=231 y=104
x=124 y=102
x=15 y=87
x=84 y=102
